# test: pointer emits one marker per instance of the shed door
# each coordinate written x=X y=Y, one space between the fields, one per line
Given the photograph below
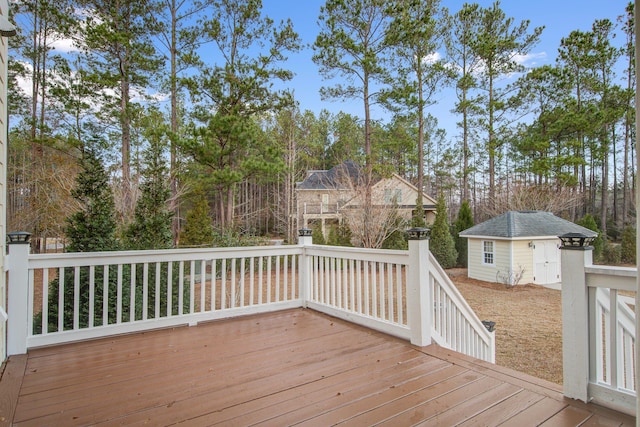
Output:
x=546 y=265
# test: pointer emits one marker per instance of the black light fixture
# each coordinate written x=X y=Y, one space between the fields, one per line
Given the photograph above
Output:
x=305 y=232
x=490 y=325
x=418 y=233
x=576 y=241
x=7 y=29
x=19 y=237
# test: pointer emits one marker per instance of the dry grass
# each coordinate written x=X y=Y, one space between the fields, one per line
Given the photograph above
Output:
x=528 y=323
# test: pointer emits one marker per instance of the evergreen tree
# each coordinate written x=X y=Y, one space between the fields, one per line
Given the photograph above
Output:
x=151 y=227
x=464 y=221
x=316 y=235
x=351 y=44
x=628 y=246
x=228 y=140
x=90 y=229
x=497 y=44
x=198 y=229
x=442 y=245
x=93 y=227
x=589 y=222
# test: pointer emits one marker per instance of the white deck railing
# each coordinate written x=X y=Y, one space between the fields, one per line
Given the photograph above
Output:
x=123 y=292
x=455 y=324
x=612 y=334
x=599 y=333
x=119 y=292
x=364 y=286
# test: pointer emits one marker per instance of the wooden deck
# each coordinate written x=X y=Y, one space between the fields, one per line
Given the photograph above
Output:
x=290 y=367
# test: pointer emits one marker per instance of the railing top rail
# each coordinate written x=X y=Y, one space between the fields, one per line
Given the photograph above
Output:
x=383 y=255
x=605 y=276
x=72 y=259
x=612 y=270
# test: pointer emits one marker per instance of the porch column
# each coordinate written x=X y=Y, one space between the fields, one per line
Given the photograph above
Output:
x=18 y=293
x=304 y=266
x=576 y=254
x=419 y=304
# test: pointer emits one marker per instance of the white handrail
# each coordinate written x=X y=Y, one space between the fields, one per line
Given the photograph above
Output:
x=111 y=293
x=455 y=324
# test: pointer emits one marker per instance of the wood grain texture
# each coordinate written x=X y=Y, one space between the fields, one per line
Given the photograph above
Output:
x=284 y=368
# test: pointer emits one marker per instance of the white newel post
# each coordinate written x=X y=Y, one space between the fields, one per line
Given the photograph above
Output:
x=419 y=304
x=18 y=292
x=576 y=254
x=304 y=269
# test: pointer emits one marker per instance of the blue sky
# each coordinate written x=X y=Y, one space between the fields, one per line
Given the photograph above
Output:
x=559 y=17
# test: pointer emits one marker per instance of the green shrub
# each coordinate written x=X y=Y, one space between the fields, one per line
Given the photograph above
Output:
x=316 y=234
x=464 y=221
x=198 y=230
x=628 y=245
x=598 y=244
x=442 y=245
x=611 y=254
x=339 y=235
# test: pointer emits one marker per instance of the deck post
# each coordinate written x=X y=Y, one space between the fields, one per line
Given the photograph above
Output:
x=419 y=304
x=576 y=254
x=304 y=269
x=18 y=293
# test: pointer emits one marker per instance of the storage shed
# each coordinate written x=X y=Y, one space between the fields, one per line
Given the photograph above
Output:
x=518 y=247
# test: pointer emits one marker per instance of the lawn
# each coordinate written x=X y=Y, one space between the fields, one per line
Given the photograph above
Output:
x=528 y=323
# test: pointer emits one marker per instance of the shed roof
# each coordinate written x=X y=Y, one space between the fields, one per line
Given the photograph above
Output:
x=515 y=224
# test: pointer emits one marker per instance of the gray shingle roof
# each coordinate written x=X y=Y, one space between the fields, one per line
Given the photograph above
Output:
x=525 y=224
x=336 y=178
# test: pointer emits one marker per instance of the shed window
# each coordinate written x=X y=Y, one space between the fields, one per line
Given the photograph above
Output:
x=488 y=253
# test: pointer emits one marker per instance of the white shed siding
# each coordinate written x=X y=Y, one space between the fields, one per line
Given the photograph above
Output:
x=503 y=261
x=477 y=268
x=523 y=259
x=510 y=258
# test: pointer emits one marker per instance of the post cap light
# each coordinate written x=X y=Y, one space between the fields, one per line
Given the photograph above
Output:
x=305 y=232
x=576 y=241
x=7 y=29
x=490 y=325
x=20 y=237
x=418 y=233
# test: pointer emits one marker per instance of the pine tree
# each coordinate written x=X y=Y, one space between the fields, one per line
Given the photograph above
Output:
x=316 y=235
x=93 y=227
x=628 y=245
x=589 y=222
x=464 y=221
x=151 y=227
x=198 y=229
x=442 y=245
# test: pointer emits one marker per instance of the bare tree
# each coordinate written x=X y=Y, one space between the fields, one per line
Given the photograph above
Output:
x=550 y=198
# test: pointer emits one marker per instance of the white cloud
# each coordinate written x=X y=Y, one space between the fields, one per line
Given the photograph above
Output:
x=64 y=45
x=530 y=59
x=432 y=58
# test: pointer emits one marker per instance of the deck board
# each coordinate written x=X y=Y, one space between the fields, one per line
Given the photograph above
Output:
x=294 y=367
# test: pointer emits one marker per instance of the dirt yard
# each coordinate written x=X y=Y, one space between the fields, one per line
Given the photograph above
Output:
x=528 y=323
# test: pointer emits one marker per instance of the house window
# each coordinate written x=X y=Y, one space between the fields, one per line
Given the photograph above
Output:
x=392 y=195
x=488 y=255
x=325 y=202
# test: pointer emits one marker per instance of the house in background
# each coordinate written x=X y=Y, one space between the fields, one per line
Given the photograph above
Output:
x=518 y=247
x=327 y=196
